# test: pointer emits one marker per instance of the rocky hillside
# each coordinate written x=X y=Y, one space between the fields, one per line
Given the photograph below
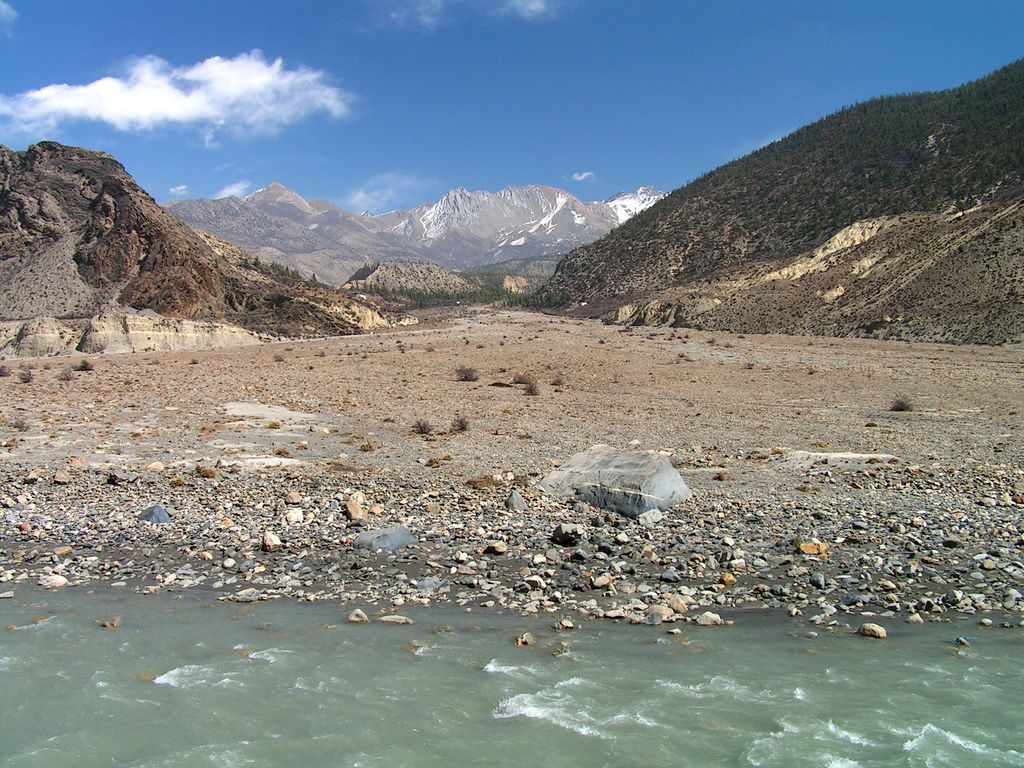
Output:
x=78 y=237
x=461 y=230
x=924 y=188
x=400 y=277
x=421 y=284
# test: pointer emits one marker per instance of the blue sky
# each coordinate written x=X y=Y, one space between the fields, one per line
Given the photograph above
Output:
x=388 y=103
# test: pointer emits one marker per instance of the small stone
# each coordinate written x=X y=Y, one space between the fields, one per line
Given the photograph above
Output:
x=52 y=581
x=228 y=563
x=709 y=619
x=869 y=629
x=516 y=502
x=812 y=547
x=7 y=595
x=600 y=582
x=113 y=623
x=62 y=551
x=496 y=548
x=915 y=618
x=567 y=534
x=293 y=497
x=155 y=466
x=395 y=619
x=657 y=614
x=155 y=514
x=271 y=542
x=727 y=579
x=986 y=622
x=670 y=576
x=357 y=616
x=61 y=477
x=294 y=516
x=354 y=506
x=677 y=603
x=651 y=518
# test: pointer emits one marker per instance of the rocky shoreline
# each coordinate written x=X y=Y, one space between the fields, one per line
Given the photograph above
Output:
x=883 y=541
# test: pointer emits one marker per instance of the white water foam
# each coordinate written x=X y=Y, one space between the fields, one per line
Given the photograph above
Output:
x=495 y=667
x=932 y=737
x=270 y=654
x=719 y=686
x=550 y=708
x=193 y=676
x=850 y=736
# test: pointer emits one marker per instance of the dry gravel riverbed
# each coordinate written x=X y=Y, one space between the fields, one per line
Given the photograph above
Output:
x=811 y=495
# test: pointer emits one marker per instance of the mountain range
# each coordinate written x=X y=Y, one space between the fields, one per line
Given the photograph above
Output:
x=462 y=230
x=898 y=217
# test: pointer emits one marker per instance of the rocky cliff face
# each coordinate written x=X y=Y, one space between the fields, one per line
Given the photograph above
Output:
x=79 y=237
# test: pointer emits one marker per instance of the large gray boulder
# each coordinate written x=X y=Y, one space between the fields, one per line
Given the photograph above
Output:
x=626 y=481
x=384 y=539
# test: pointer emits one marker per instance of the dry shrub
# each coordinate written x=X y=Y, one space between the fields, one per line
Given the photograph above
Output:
x=465 y=373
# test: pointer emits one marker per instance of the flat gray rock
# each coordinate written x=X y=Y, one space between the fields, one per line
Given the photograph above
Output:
x=622 y=480
x=384 y=539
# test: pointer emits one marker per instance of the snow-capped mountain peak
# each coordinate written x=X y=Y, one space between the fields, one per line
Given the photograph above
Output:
x=626 y=205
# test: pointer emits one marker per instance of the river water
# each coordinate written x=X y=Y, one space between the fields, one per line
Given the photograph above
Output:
x=189 y=682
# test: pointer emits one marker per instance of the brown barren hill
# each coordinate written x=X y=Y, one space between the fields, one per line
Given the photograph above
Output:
x=78 y=237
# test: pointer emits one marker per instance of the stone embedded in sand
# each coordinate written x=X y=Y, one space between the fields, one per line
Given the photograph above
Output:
x=627 y=481
x=155 y=514
x=156 y=466
x=61 y=477
x=63 y=551
x=811 y=547
x=385 y=539
x=876 y=631
x=271 y=542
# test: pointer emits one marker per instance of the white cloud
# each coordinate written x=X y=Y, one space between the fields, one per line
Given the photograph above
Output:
x=529 y=9
x=583 y=176
x=238 y=189
x=380 y=192
x=7 y=13
x=423 y=13
x=179 y=191
x=430 y=14
x=244 y=95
